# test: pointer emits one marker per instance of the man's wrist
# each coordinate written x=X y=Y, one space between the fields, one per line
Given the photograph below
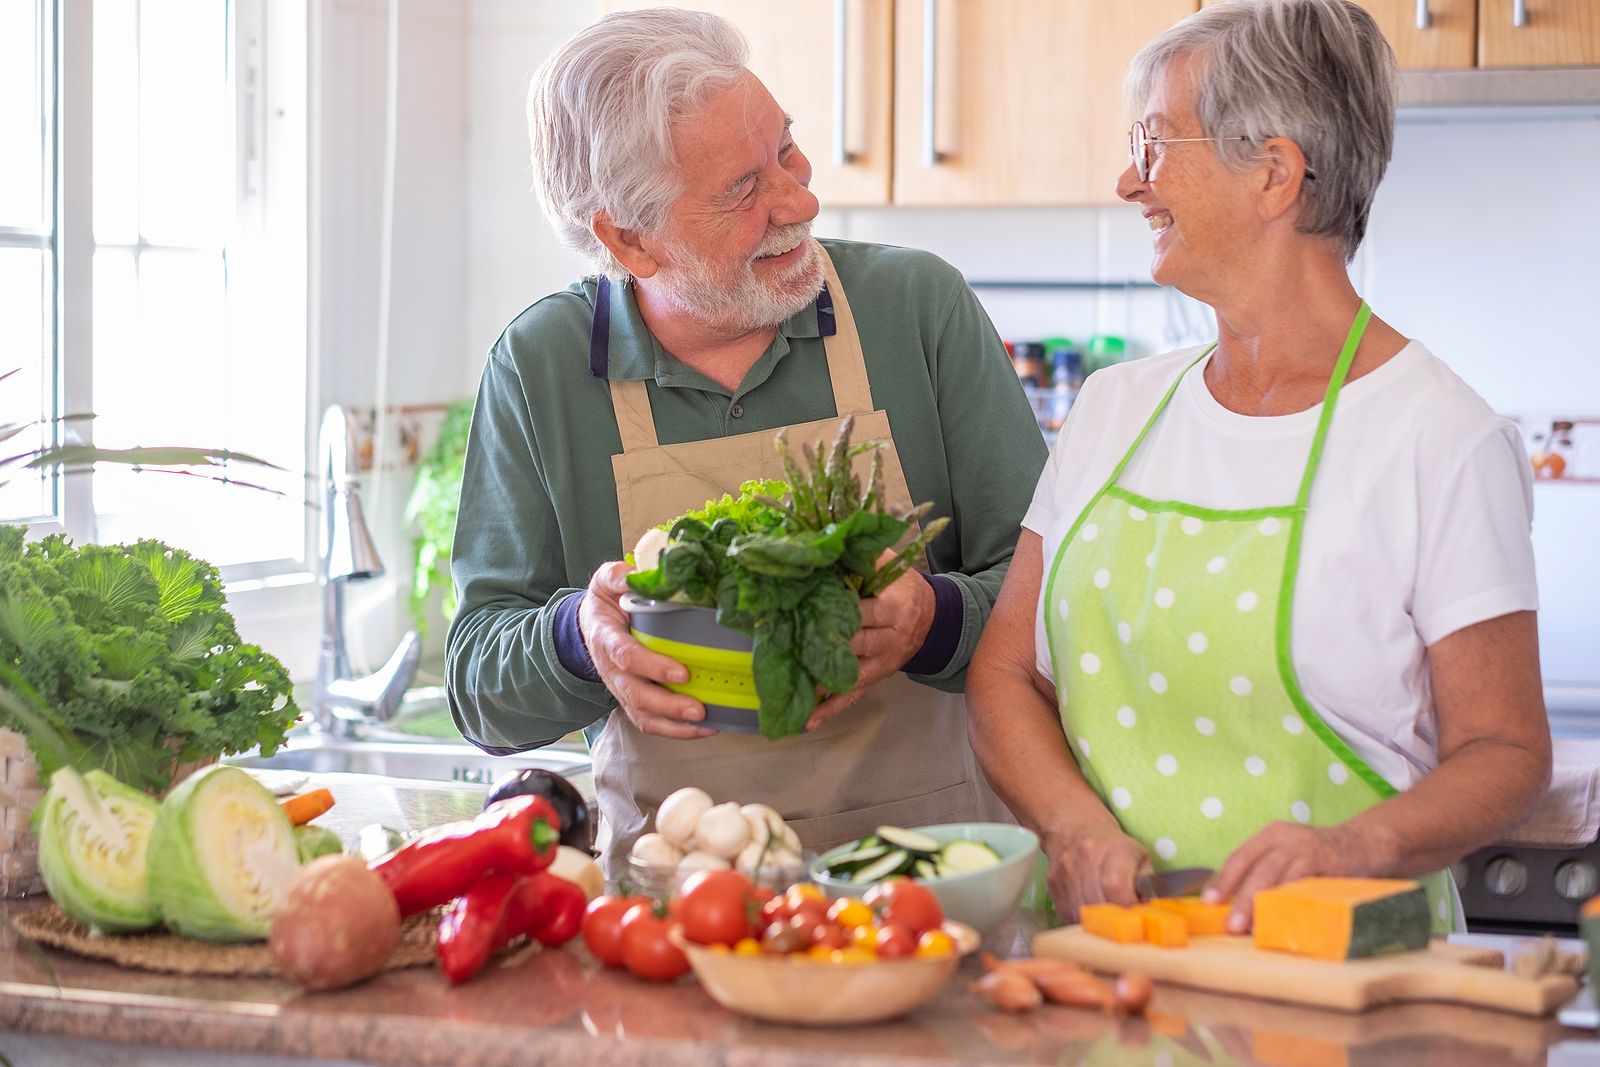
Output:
x=939 y=645
x=572 y=651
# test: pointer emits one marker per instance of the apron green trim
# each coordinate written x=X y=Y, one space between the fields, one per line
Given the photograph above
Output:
x=1291 y=570
x=1181 y=508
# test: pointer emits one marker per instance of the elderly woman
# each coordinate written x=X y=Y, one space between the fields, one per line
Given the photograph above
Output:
x=1273 y=607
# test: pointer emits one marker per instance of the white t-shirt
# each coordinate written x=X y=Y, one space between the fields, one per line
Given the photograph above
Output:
x=1419 y=522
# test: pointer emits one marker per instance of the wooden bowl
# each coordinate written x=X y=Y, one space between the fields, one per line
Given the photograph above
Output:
x=803 y=991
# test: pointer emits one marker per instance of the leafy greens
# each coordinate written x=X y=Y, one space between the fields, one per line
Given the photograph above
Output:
x=791 y=572
x=125 y=657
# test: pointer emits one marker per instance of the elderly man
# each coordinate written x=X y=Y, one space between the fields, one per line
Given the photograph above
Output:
x=716 y=319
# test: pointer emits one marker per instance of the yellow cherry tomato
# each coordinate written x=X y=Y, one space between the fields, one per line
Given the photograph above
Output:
x=747 y=946
x=865 y=937
x=719 y=950
x=820 y=951
x=850 y=913
x=935 y=943
x=805 y=890
x=852 y=954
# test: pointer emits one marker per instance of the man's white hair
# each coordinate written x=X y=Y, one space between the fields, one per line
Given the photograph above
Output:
x=600 y=117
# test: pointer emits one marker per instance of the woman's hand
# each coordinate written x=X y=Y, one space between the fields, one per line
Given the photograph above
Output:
x=630 y=671
x=1095 y=866
x=1285 y=851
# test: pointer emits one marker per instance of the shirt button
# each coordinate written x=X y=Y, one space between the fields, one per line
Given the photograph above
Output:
x=736 y=411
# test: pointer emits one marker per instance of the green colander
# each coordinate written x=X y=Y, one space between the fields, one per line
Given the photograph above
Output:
x=718 y=659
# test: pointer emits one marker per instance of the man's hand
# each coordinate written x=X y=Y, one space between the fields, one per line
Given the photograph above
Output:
x=630 y=671
x=1095 y=867
x=1284 y=851
x=893 y=626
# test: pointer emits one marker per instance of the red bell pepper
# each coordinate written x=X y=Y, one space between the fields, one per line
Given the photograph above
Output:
x=515 y=836
x=547 y=908
x=501 y=908
x=470 y=931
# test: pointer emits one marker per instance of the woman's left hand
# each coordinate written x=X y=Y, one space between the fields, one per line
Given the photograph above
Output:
x=1285 y=851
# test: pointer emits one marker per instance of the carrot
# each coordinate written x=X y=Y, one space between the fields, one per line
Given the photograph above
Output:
x=307 y=806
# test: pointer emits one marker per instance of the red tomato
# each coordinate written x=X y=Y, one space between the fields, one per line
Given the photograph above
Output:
x=716 y=908
x=645 y=948
x=775 y=910
x=831 y=934
x=908 y=903
x=812 y=911
x=602 y=927
x=895 y=941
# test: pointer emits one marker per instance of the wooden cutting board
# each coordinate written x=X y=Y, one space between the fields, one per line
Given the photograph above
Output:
x=1451 y=973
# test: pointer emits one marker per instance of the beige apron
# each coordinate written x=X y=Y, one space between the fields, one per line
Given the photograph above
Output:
x=898 y=757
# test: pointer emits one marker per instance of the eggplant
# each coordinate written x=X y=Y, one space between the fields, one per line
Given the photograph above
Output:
x=577 y=826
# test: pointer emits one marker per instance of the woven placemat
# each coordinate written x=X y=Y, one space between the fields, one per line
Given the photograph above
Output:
x=51 y=926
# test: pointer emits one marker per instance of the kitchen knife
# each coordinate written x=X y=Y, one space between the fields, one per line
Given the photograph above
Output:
x=1175 y=883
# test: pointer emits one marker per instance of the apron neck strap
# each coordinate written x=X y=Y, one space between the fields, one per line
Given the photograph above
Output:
x=636 y=425
x=1330 y=399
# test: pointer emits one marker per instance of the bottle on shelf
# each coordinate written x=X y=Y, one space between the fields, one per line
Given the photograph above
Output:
x=1066 y=376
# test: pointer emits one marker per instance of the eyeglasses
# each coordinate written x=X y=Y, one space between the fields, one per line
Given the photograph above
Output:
x=1140 y=144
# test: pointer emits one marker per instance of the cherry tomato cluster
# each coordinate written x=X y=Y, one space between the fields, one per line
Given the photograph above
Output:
x=894 y=920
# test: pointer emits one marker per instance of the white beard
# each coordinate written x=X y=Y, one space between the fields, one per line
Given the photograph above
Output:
x=745 y=302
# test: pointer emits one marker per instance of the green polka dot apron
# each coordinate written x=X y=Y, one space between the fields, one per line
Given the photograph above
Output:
x=1169 y=634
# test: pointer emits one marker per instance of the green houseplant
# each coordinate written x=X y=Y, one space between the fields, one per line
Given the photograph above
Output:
x=431 y=514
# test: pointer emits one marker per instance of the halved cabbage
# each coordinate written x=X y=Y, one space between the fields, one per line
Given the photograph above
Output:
x=93 y=835
x=221 y=856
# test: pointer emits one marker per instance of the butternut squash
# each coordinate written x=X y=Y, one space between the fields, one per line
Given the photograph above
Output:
x=1163 y=926
x=1112 y=921
x=1204 y=920
x=1342 y=918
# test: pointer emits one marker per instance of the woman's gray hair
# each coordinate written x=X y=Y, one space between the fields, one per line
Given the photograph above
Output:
x=600 y=117
x=1315 y=71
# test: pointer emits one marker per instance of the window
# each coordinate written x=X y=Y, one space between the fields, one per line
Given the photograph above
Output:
x=152 y=266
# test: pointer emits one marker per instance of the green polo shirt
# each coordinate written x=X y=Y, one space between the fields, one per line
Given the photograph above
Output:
x=538 y=508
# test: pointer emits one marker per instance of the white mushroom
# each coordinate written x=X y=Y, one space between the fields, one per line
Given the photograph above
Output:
x=701 y=861
x=647 y=553
x=655 y=850
x=680 y=813
x=774 y=858
x=722 y=831
x=765 y=822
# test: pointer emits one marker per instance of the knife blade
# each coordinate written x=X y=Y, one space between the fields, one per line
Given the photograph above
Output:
x=1179 y=882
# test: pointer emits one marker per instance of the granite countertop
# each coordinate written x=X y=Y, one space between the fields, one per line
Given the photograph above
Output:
x=561 y=1007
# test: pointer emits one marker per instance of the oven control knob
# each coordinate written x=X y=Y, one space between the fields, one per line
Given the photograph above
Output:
x=1577 y=880
x=1505 y=876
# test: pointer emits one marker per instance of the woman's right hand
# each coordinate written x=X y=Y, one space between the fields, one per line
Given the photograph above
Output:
x=630 y=671
x=1095 y=865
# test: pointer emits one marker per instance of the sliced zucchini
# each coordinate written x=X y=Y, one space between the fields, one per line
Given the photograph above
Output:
x=895 y=862
x=924 y=869
x=964 y=857
x=851 y=860
x=909 y=840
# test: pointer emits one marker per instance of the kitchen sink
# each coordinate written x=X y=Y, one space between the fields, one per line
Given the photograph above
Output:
x=417 y=760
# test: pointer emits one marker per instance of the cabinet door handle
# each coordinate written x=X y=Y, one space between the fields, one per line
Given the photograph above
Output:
x=841 y=53
x=1424 y=19
x=1519 y=13
x=930 y=83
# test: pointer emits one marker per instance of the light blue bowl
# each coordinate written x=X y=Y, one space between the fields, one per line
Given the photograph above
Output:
x=981 y=899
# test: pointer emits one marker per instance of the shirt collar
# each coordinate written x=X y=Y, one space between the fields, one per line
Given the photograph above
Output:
x=622 y=348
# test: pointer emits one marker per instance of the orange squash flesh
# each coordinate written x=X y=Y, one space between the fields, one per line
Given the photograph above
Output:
x=1112 y=921
x=1204 y=920
x=1164 y=927
x=1342 y=918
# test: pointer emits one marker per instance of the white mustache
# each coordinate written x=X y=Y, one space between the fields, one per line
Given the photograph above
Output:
x=785 y=239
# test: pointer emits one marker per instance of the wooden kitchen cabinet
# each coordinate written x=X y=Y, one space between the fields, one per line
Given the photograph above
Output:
x=1022 y=102
x=829 y=64
x=1555 y=33
x=1425 y=34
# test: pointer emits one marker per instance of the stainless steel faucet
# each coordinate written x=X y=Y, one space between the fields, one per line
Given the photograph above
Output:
x=348 y=555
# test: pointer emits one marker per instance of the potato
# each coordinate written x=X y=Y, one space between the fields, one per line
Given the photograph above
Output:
x=336 y=924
